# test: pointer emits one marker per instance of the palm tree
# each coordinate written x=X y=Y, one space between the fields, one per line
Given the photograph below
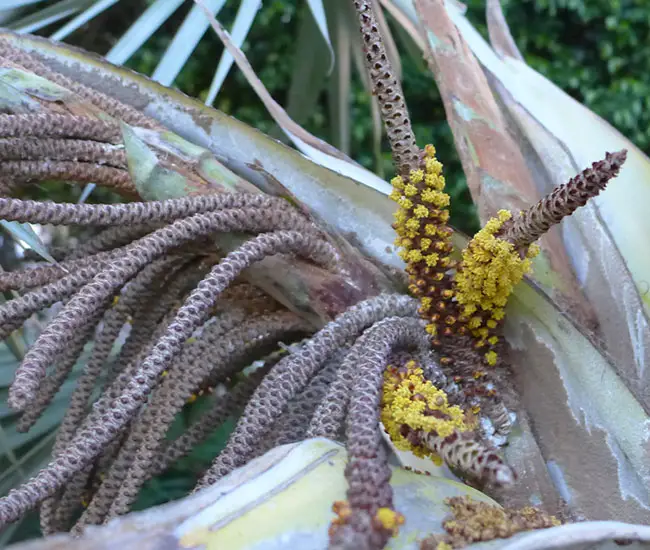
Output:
x=97 y=123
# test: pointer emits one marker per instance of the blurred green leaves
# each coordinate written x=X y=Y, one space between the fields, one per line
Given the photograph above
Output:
x=595 y=50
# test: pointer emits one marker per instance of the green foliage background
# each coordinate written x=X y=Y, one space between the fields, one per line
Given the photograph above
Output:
x=596 y=50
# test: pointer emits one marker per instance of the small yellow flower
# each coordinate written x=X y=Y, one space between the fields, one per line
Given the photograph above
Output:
x=420 y=211
x=410 y=190
x=413 y=224
x=416 y=176
x=491 y=358
x=390 y=520
x=489 y=271
x=397 y=182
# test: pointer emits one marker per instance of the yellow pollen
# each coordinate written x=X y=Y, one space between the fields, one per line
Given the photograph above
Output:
x=491 y=358
x=416 y=176
x=410 y=190
x=413 y=224
x=420 y=211
x=390 y=519
x=398 y=408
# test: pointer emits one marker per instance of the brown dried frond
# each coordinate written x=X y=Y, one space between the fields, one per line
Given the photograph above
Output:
x=474 y=521
x=406 y=154
x=527 y=227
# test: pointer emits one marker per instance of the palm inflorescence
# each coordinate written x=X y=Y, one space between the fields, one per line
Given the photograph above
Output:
x=429 y=369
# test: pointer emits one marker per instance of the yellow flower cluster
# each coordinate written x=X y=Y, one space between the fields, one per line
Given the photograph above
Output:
x=473 y=301
x=490 y=269
x=421 y=198
x=423 y=236
x=411 y=400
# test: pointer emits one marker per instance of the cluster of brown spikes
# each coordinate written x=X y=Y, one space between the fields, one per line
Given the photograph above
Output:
x=141 y=283
x=42 y=146
x=463 y=301
x=192 y=324
x=190 y=329
x=180 y=340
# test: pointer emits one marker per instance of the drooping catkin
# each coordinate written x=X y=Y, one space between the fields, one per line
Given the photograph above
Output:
x=52 y=125
x=249 y=341
x=117 y=179
x=135 y=256
x=134 y=212
x=291 y=375
x=114 y=320
x=369 y=495
x=71 y=150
